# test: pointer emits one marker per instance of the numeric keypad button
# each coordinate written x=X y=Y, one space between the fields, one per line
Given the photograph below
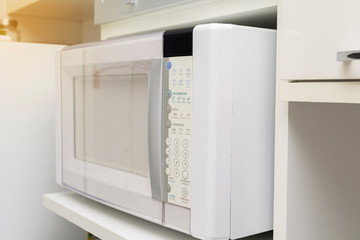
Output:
x=185 y=164
x=176 y=162
x=176 y=172
x=168 y=151
x=176 y=142
x=176 y=152
x=168 y=171
x=185 y=153
x=185 y=143
x=185 y=174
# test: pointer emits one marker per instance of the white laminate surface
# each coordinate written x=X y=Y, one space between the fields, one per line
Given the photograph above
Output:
x=110 y=224
x=105 y=222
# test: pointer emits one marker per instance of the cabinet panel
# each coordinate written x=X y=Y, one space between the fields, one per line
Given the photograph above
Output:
x=111 y=10
x=67 y=10
x=312 y=32
x=323 y=171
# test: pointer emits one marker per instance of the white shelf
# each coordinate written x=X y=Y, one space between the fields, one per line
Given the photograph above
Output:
x=105 y=222
x=325 y=91
x=110 y=224
x=261 y=13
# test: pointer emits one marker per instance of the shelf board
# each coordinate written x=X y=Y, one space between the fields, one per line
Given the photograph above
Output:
x=105 y=222
x=320 y=91
x=72 y=10
x=258 y=13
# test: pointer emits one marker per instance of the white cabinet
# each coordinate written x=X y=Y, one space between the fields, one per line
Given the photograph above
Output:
x=54 y=21
x=316 y=155
x=312 y=32
x=323 y=172
x=258 y=13
x=69 y=10
x=112 y=10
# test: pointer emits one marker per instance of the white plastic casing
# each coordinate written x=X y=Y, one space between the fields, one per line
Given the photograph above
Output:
x=233 y=131
x=233 y=95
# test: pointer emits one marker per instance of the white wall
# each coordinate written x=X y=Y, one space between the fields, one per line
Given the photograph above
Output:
x=27 y=144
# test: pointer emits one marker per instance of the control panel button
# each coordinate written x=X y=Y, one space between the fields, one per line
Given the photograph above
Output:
x=168 y=151
x=168 y=93
x=184 y=192
x=185 y=164
x=176 y=162
x=168 y=109
x=168 y=171
x=176 y=172
x=168 y=123
x=176 y=152
x=185 y=143
x=185 y=153
x=168 y=141
x=176 y=142
x=168 y=161
x=185 y=174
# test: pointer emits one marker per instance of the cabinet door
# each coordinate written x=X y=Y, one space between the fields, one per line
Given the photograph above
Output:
x=312 y=32
x=111 y=10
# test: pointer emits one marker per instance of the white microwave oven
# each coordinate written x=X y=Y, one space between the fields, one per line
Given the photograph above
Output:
x=175 y=127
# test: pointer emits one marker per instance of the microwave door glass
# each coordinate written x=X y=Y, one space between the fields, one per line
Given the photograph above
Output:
x=105 y=129
x=111 y=121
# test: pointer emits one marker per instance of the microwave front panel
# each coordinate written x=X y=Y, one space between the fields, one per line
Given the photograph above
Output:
x=177 y=118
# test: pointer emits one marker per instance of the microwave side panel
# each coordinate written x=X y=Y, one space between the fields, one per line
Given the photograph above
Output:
x=253 y=131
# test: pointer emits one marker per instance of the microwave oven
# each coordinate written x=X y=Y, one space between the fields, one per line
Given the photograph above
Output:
x=176 y=127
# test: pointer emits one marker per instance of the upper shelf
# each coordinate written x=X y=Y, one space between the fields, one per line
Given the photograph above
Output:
x=72 y=10
x=258 y=13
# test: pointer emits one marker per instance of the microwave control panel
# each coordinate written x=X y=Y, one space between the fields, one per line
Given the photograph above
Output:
x=177 y=109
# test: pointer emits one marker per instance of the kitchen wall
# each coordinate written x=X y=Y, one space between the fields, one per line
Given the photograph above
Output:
x=27 y=161
x=34 y=29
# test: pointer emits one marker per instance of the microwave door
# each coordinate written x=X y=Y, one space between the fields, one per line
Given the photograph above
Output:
x=108 y=111
x=116 y=136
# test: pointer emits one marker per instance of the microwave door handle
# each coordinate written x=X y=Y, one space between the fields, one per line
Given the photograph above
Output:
x=155 y=128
